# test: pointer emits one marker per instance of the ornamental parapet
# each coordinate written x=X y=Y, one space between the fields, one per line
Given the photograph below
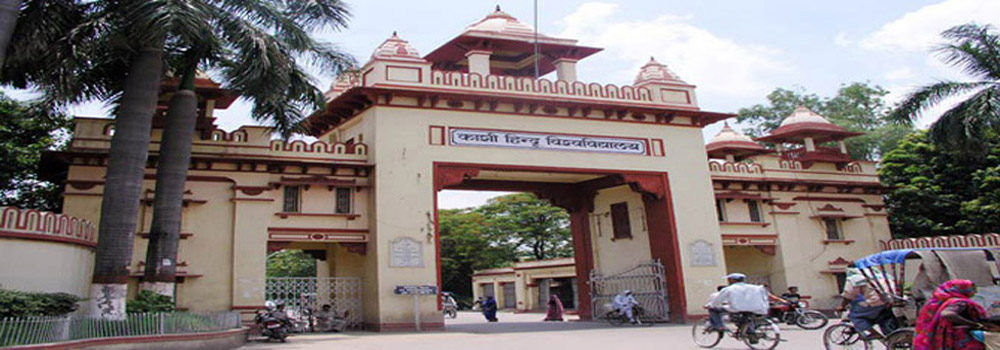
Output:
x=987 y=240
x=46 y=226
x=772 y=166
x=474 y=81
x=251 y=142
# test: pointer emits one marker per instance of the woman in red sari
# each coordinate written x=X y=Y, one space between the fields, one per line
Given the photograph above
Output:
x=555 y=312
x=945 y=321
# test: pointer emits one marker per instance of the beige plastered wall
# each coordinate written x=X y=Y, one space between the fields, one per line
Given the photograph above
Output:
x=404 y=193
x=43 y=266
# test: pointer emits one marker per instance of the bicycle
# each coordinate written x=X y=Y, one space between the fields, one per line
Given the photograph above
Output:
x=616 y=318
x=844 y=336
x=795 y=313
x=756 y=331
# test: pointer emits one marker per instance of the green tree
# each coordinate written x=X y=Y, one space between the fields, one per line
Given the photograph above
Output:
x=535 y=228
x=976 y=50
x=940 y=191
x=26 y=131
x=856 y=107
x=291 y=263
x=465 y=247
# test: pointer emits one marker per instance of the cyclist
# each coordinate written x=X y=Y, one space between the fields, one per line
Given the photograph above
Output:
x=867 y=306
x=738 y=297
x=624 y=303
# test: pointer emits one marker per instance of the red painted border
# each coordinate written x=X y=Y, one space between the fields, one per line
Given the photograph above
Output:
x=310 y=229
x=420 y=73
x=128 y=340
x=47 y=237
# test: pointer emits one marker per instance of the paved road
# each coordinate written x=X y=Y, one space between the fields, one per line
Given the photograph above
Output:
x=525 y=332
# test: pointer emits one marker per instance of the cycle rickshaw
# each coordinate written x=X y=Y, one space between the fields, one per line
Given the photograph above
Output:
x=906 y=278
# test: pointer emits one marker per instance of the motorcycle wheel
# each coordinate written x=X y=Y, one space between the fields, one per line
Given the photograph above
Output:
x=451 y=313
x=810 y=319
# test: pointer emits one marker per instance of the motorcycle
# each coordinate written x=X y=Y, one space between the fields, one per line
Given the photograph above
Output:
x=270 y=326
x=796 y=313
x=450 y=311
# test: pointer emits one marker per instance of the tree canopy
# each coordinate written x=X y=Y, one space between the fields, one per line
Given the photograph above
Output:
x=939 y=190
x=26 y=131
x=291 y=263
x=856 y=107
x=505 y=230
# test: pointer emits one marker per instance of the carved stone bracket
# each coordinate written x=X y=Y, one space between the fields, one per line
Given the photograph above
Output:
x=450 y=176
x=646 y=184
x=274 y=246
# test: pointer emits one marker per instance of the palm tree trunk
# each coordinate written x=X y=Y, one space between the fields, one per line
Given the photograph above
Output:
x=123 y=184
x=9 y=10
x=171 y=175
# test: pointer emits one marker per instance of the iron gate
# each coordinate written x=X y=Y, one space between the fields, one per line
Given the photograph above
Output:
x=311 y=293
x=647 y=281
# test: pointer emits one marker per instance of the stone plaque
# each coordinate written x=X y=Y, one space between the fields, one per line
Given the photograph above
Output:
x=702 y=253
x=406 y=252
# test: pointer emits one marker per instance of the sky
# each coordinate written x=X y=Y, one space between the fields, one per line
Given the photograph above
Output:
x=735 y=51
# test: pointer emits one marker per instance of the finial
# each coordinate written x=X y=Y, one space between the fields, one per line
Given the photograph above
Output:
x=394 y=33
x=498 y=7
x=652 y=59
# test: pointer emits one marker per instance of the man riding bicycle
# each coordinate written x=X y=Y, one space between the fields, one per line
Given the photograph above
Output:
x=867 y=306
x=624 y=303
x=738 y=297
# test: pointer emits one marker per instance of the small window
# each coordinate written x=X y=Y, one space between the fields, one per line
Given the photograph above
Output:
x=841 y=281
x=720 y=209
x=343 y=200
x=833 y=231
x=754 y=208
x=620 y=221
x=292 y=199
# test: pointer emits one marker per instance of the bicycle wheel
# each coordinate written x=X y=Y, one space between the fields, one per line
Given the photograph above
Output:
x=901 y=339
x=843 y=336
x=810 y=319
x=614 y=318
x=643 y=319
x=762 y=335
x=703 y=337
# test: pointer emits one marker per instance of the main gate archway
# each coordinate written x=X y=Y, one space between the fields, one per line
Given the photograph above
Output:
x=574 y=189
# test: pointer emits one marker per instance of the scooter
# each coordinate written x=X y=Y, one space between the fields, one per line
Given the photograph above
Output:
x=270 y=326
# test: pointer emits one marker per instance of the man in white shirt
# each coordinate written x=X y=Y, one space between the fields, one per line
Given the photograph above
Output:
x=737 y=297
x=623 y=303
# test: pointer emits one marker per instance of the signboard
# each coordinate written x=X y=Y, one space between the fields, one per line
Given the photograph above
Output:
x=547 y=141
x=702 y=254
x=406 y=252
x=415 y=290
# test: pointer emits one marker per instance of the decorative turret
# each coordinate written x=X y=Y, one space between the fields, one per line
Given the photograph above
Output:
x=665 y=85
x=733 y=145
x=808 y=128
x=500 y=44
x=346 y=80
x=395 y=48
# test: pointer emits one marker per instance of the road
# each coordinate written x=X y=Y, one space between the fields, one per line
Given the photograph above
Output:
x=525 y=332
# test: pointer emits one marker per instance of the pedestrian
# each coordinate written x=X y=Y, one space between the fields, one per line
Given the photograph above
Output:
x=555 y=312
x=944 y=323
x=490 y=309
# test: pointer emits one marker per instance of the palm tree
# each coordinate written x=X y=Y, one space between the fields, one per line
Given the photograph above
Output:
x=9 y=10
x=266 y=74
x=975 y=49
x=115 y=50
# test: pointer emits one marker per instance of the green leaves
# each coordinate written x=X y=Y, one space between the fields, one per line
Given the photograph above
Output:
x=291 y=263
x=20 y=304
x=26 y=131
x=148 y=301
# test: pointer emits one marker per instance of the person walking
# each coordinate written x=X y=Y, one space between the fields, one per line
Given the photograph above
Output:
x=490 y=309
x=945 y=322
x=555 y=312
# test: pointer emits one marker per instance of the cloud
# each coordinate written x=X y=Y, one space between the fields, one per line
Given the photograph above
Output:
x=842 y=40
x=920 y=30
x=717 y=65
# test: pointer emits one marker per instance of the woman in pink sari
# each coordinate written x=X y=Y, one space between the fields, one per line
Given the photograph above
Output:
x=555 y=312
x=945 y=321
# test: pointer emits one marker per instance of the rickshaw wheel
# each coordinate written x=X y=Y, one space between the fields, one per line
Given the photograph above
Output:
x=843 y=337
x=901 y=339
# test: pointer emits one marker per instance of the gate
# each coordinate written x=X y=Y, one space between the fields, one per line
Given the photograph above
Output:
x=647 y=281
x=311 y=293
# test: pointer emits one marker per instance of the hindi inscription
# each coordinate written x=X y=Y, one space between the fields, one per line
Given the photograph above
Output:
x=702 y=254
x=406 y=252
x=544 y=141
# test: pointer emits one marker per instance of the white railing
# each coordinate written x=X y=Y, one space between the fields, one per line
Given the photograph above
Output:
x=41 y=329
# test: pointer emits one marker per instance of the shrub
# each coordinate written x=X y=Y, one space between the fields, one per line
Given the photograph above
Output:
x=147 y=301
x=21 y=304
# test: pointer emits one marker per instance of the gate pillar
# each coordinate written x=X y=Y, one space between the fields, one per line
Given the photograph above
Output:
x=583 y=251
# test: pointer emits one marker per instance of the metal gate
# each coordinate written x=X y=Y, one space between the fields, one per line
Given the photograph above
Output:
x=311 y=293
x=647 y=281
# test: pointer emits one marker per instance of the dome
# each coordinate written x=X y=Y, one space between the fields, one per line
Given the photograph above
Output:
x=346 y=80
x=397 y=49
x=500 y=24
x=656 y=71
x=804 y=115
x=730 y=141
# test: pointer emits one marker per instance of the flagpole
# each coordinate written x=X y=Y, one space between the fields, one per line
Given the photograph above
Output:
x=536 y=39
